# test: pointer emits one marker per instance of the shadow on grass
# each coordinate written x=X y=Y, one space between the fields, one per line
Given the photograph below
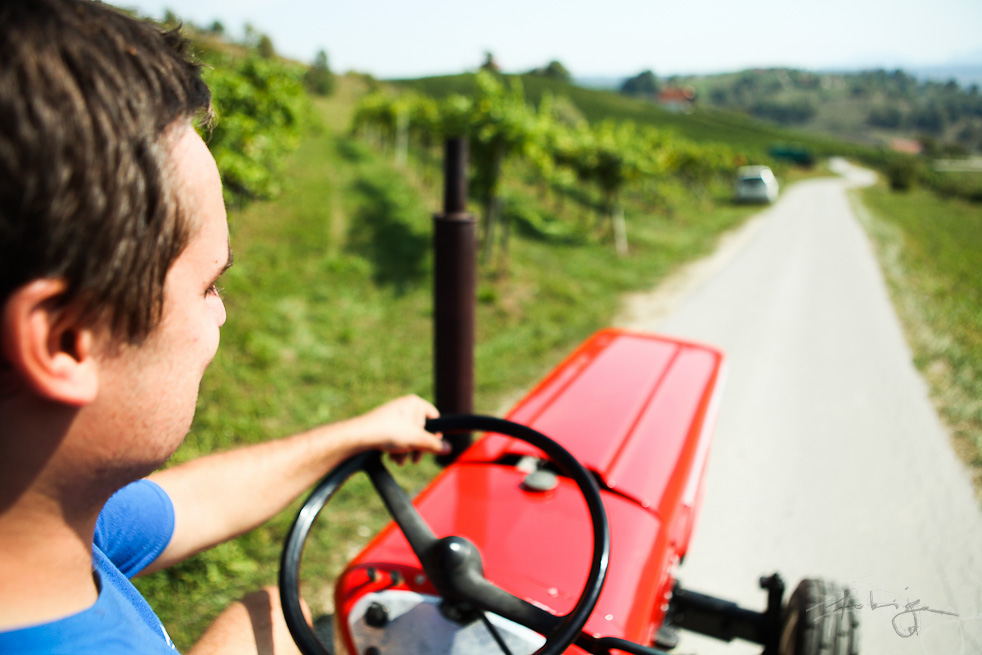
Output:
x=542 y=226
x=380 y=232
x=352 y=151
x=755 y=206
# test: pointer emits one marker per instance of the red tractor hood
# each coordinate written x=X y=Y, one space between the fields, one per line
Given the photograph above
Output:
x=637 y=409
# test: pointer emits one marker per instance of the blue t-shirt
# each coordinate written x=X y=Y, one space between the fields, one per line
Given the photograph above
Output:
x=134 y=527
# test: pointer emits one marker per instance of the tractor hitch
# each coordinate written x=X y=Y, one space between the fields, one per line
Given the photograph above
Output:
x=725 y=620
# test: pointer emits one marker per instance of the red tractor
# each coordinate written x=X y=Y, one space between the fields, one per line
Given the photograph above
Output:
x=562 y=543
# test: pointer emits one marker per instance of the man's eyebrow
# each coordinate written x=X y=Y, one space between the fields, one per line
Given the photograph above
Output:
x=228 y=262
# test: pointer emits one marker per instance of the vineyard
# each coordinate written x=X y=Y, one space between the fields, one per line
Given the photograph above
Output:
x=582 y=166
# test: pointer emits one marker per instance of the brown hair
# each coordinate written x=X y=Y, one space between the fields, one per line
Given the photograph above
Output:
x=87 y=98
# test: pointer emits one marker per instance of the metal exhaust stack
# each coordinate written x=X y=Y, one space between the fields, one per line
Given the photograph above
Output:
x=454 y=283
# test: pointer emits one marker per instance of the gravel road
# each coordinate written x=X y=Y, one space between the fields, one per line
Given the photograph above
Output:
x=829 y=459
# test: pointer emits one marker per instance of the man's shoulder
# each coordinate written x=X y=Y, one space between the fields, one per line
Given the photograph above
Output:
x=133 y=529
x=120 y=623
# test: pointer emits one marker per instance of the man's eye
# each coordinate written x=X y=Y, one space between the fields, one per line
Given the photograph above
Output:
x=214 y=290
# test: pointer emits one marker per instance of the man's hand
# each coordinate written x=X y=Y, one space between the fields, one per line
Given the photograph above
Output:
x=397 y=428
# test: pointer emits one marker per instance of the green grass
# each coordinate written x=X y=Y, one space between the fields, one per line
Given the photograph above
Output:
x=330 y=314
x=930 y=249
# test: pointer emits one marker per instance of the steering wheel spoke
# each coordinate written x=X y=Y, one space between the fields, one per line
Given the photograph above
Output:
x=496 y=600
x=421 y=539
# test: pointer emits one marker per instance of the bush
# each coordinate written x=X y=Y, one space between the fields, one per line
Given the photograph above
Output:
x=643 y=84
x=319 y=78
x=261 y=108
x=967 y=186
x=902 y=173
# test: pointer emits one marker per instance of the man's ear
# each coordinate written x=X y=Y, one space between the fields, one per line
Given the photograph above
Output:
x=48 y=350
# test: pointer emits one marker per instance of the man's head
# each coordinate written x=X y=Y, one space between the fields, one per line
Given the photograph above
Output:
x=112 y=235
x=90 y=101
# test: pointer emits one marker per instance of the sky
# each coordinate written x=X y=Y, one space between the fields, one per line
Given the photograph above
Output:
x=601 y=38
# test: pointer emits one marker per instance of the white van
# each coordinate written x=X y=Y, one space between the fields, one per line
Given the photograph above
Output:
x=755 y=184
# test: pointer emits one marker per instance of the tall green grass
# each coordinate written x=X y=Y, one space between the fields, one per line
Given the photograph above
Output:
x=930 y=249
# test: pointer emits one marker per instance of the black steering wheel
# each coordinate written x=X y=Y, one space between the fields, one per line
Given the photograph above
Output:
x=453 y=563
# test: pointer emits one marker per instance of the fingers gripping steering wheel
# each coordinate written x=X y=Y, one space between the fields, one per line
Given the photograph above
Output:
x=453 y=564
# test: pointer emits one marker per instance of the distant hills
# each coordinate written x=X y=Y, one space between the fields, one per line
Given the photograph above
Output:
x=935 y=109
x=966 y=74
x=600 y=82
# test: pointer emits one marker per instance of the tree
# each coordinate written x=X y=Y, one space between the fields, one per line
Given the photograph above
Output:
x=931 y=119
x=250 y=34
x=792 y=112
x=170 y=18
x=490 y=64
x=319 y=79
x=609 y=157
x=376 y=119
x=719 y=96
x=553 y=70
x=615 y=161
x=888 y=116
x=264 y=48
x=499 y=126
x=643 y=84
x=217 y=28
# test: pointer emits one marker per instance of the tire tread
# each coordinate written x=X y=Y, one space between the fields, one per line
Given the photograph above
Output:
x=820 y=619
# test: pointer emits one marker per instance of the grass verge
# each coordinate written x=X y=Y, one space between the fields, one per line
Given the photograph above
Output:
x=930 y=249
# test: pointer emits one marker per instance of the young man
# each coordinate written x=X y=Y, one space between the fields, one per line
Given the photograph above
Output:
x=112 y=236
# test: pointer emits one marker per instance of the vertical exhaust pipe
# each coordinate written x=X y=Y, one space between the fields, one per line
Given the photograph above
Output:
x=454 y=284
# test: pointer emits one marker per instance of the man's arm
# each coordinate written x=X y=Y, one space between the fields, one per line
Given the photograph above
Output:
x=223 y=495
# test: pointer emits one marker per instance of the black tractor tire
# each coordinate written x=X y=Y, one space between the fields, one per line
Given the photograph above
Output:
x=820 y=619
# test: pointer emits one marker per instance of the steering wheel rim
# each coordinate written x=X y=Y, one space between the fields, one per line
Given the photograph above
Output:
x=560 y=631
